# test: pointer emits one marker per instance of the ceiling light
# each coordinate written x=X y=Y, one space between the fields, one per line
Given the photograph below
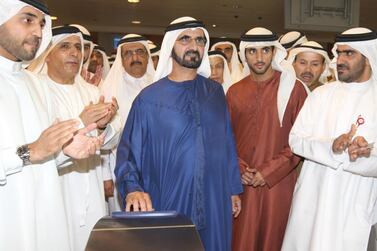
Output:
x=133 y=1
x=136 y=22
x=214 y=25
x=54 y=18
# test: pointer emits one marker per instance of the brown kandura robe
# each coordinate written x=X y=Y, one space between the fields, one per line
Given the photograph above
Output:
x=263 y=144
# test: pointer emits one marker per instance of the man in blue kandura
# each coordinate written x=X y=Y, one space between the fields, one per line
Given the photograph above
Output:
x=177 y=150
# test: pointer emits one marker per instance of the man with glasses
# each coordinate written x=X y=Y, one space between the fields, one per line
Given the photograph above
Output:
x=177 y=150
x=131 y=72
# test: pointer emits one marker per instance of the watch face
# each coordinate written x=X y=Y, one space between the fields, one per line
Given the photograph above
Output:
x=24 y=153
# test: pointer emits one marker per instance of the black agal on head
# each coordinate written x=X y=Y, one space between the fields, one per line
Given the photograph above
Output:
x=131 y=39
x=356 y=37
x=185 y=25
x=65 y=30
x=259 y=38
x=37 y=4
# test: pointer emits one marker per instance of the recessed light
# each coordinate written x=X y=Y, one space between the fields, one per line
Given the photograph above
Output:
x=136 y=22
x=54 y=18
x=214 y=25
x=133 y=1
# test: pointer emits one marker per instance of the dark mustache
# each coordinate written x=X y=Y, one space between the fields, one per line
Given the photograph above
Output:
x=136 y=62
x=192 y=53
x=307 y=74
x=342 y=66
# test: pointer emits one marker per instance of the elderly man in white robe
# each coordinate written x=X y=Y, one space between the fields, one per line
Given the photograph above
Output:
x=231 y=53
x=335 y=199
x=32 y=211
x=219 y=69
x=311 y=63
x=82 y=181
x=131 y=72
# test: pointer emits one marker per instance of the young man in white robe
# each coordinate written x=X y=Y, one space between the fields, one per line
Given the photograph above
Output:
x=131 y=72
x=335 y=199
x=32 y=214
x=82 y=181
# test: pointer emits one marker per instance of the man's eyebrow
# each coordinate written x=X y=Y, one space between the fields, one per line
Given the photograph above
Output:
x=29 y=14
x=344 y=51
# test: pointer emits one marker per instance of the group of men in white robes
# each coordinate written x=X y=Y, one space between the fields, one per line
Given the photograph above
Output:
x=52 y=182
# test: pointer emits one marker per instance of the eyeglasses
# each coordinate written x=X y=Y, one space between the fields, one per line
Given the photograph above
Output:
x=225 y=50
x=186 y=40
x=138 y=52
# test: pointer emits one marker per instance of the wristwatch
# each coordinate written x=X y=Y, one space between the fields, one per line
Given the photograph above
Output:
x=24 y=153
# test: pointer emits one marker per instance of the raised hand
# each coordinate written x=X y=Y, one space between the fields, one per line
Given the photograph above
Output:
x=52 y=140
x=101 y=123
x=342 y=142
x=81 y=145
x=92 y=113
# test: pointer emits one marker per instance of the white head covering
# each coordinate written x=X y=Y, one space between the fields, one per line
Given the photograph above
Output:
x=87 y=39
x=226 y=73
x=261 y=37
x=120 y=84
x=9 y=8
x=235 y=63
x=154 y=48
x=312 y=46
x=165 y=64
x=106 y=64
x=361 y=39
x=60 y=33
x=291 y=39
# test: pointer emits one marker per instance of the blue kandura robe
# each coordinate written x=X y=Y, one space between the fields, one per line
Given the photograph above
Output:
x=178 y=146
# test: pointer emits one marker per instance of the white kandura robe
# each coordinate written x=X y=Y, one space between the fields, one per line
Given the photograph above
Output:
x=82 y=182
x=32 y=215
x=125 y=93
x=334 y=203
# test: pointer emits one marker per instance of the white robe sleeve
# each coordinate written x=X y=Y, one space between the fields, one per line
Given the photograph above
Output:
x=302 y=141
x=363 y=166
x=10 y=163
x=112 y=133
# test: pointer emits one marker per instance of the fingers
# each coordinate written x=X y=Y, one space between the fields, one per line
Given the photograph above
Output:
x=87 y=129
x=139 y=201
x=352 y=132
x=115 y=103
x=247 y=178
x=236 y=205
x=101 y=99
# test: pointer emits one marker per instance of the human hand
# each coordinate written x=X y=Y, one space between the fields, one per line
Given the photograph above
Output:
x=341 y=143
x=81 y=146
x=52 y=140
x=108 y=185
x=139 y=201
x=236 y=205
x=102 y=123
x=258 y=179
x=359 y=147
x=92 y=113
